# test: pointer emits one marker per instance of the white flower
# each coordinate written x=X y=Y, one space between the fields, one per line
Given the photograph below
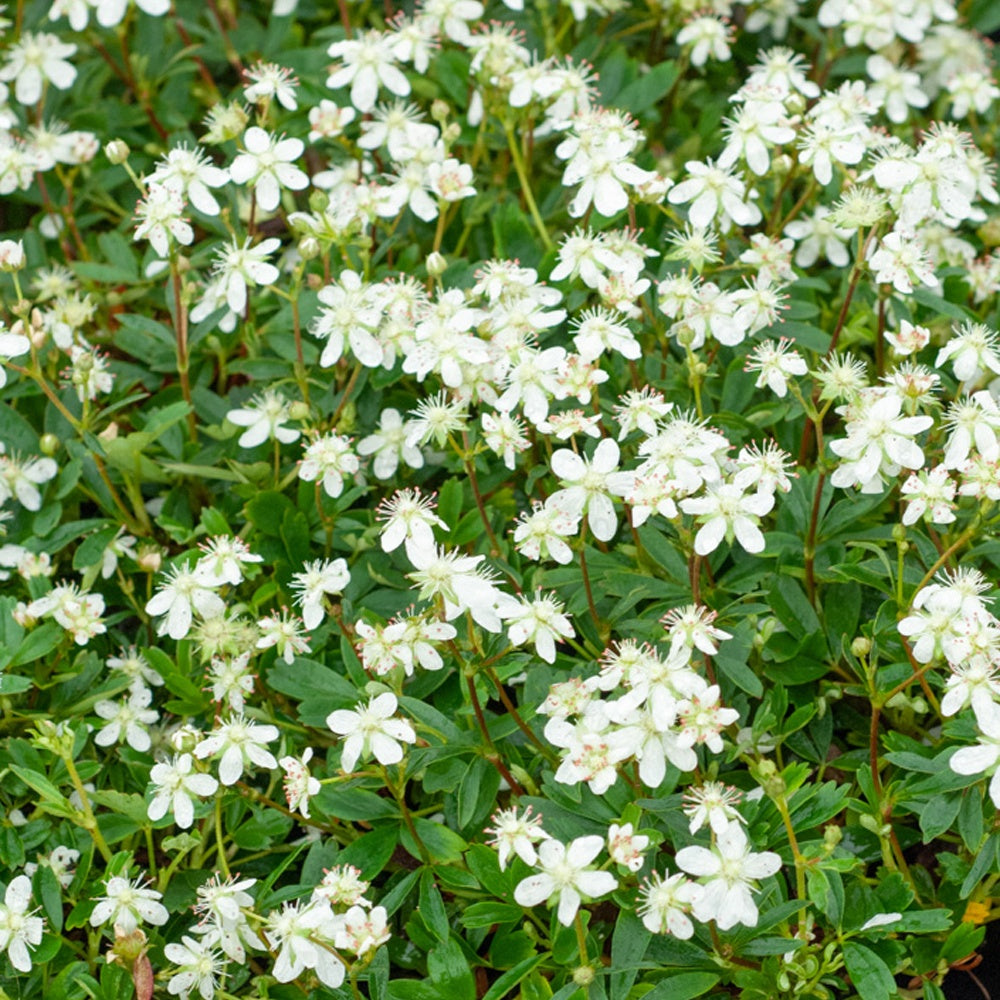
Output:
x=263 y=417
x=237 y=266
x=361 y=931
x=777 y=365
x=908 y=339
x=707 y=36
x=318 y=578
x=284 y=632
x=879 y=442
x=300 y=786
x=181 y=593
x=714 y=192
x=566 y=876
x=540 y=621
x=303 y=936
x=269 y=80
x=128 y=719
x=191 y=173
x=36 y=59
x=372 y=729
x=240 y=742
x=199 y=966
x=267 y=164
x=983 y=758
x=664 y=905
x=368 y=62
x=625 y=846
x=223 y=559
x=18 y=929
x=588 y=486
x=330 y=460
x=457 y=579
x=389 y=443
x=930 y=495
x=160 y=217
x=713 y=803
x=514 y=833
x=900 y=261
x=539 y=534
x=21 y=479
x=729 y=870
x=175 y=784
x=726 y=511
x=409 y=518
x=126 y=904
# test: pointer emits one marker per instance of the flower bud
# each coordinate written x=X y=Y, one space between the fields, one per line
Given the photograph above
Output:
x=298 y=410
x=149 y=560
x=436 y=264
x=117 y=151
x=439 y=111
x=49 y=444
x=309 y=248
x=861 y=646
x=11 y=255
x=832 y=836
x=583 y=975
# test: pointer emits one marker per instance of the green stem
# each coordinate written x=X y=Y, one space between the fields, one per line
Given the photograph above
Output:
x=220 y=838
x=90 y=820
x=522 y=176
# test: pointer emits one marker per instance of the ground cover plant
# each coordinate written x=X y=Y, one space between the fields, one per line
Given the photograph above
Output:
x=498 y=501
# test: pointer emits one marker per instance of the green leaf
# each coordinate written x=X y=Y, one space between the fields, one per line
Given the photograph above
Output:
x=477 y=792
x=91 y=550
x=371 y=851
x=870 y=976
x=628 y=946
x=449 y=971
x=684 y=986
x=442 y=844
x=40 y=784
x=642 y=95
x=432 y=906
x=48 y=890
x=38 y=643
x=450 y=502
x=792 y=607
x=488 y=913
x=513 y=976
x=985 y=862
x=938 y=815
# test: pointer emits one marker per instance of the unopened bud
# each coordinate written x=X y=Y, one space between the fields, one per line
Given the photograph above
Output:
x=439 y=111
x=861 y=646
x=183 y=740
x=436 y=264
x=299 y=410
x=49 y=444
x=110 y=432
x=150 y=560
x=11 y=255
x=318 y=201
x=309 y=248
x=117 y=151
x=832 y=836
x=451 y=133
x=583 y=975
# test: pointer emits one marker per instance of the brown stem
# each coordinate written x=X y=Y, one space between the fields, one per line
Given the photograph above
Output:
x=494 y=756
x=470 y=471
x=810 y=546
x=516 y=716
